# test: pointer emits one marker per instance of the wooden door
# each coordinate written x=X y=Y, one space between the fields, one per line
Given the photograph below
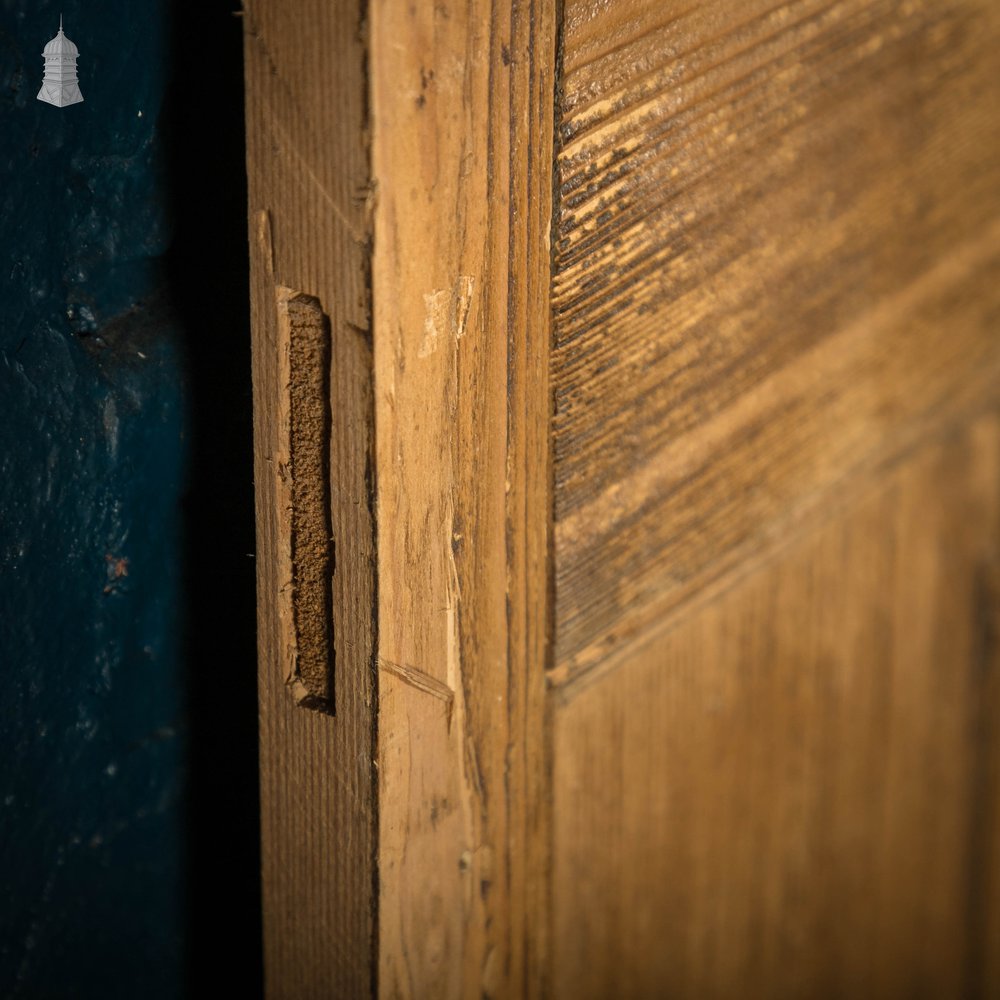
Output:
x=642 y=362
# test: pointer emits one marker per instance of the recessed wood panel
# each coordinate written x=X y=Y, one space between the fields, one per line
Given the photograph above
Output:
x=794 y=793
x=776 y=265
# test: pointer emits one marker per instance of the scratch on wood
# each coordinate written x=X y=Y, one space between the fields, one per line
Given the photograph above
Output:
x=446 y=310
x=265 y=241
x=421 y=681
x=464 y=288
x=288 y=145
x=454 y=596
x=435 y=310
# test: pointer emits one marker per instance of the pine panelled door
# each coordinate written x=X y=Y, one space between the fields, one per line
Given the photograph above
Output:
x=627 y=385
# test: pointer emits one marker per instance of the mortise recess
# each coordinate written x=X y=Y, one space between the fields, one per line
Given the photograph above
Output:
x=306 y=547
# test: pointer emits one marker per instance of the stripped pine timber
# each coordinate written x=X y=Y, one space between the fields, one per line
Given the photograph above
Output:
x=776 y=262
x=310 y=242
x=664 y=494
x=781 y=455
x=776 y=458
x=811 y=810
x=462 y=155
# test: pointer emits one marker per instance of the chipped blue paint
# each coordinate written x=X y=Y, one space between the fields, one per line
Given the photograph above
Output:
x=92 y=465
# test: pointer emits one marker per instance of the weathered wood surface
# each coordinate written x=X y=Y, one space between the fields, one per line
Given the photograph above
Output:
x=462 y=153
x=722 y=473
x=310 y=227
x=776 y=363
x=777 y=263
x=796 y=791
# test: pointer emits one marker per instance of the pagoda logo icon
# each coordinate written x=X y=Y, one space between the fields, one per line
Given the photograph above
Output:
x=60 y=86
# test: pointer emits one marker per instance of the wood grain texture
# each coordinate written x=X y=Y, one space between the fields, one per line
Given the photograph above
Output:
x=776 y=301
x=688 y=526
x=462 y=153
x=310 y=231
x=796 y=791
x=777 y=264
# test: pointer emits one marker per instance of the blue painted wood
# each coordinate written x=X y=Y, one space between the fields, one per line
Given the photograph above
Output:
x=128 y=769
x=94 y=399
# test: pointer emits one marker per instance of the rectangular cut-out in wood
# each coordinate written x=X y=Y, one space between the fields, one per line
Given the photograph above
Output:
x=302 y=479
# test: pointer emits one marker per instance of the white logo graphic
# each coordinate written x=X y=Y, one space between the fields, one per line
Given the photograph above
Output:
x=60 y=87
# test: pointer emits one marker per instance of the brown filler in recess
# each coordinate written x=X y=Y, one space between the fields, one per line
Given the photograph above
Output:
x=312 y=555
